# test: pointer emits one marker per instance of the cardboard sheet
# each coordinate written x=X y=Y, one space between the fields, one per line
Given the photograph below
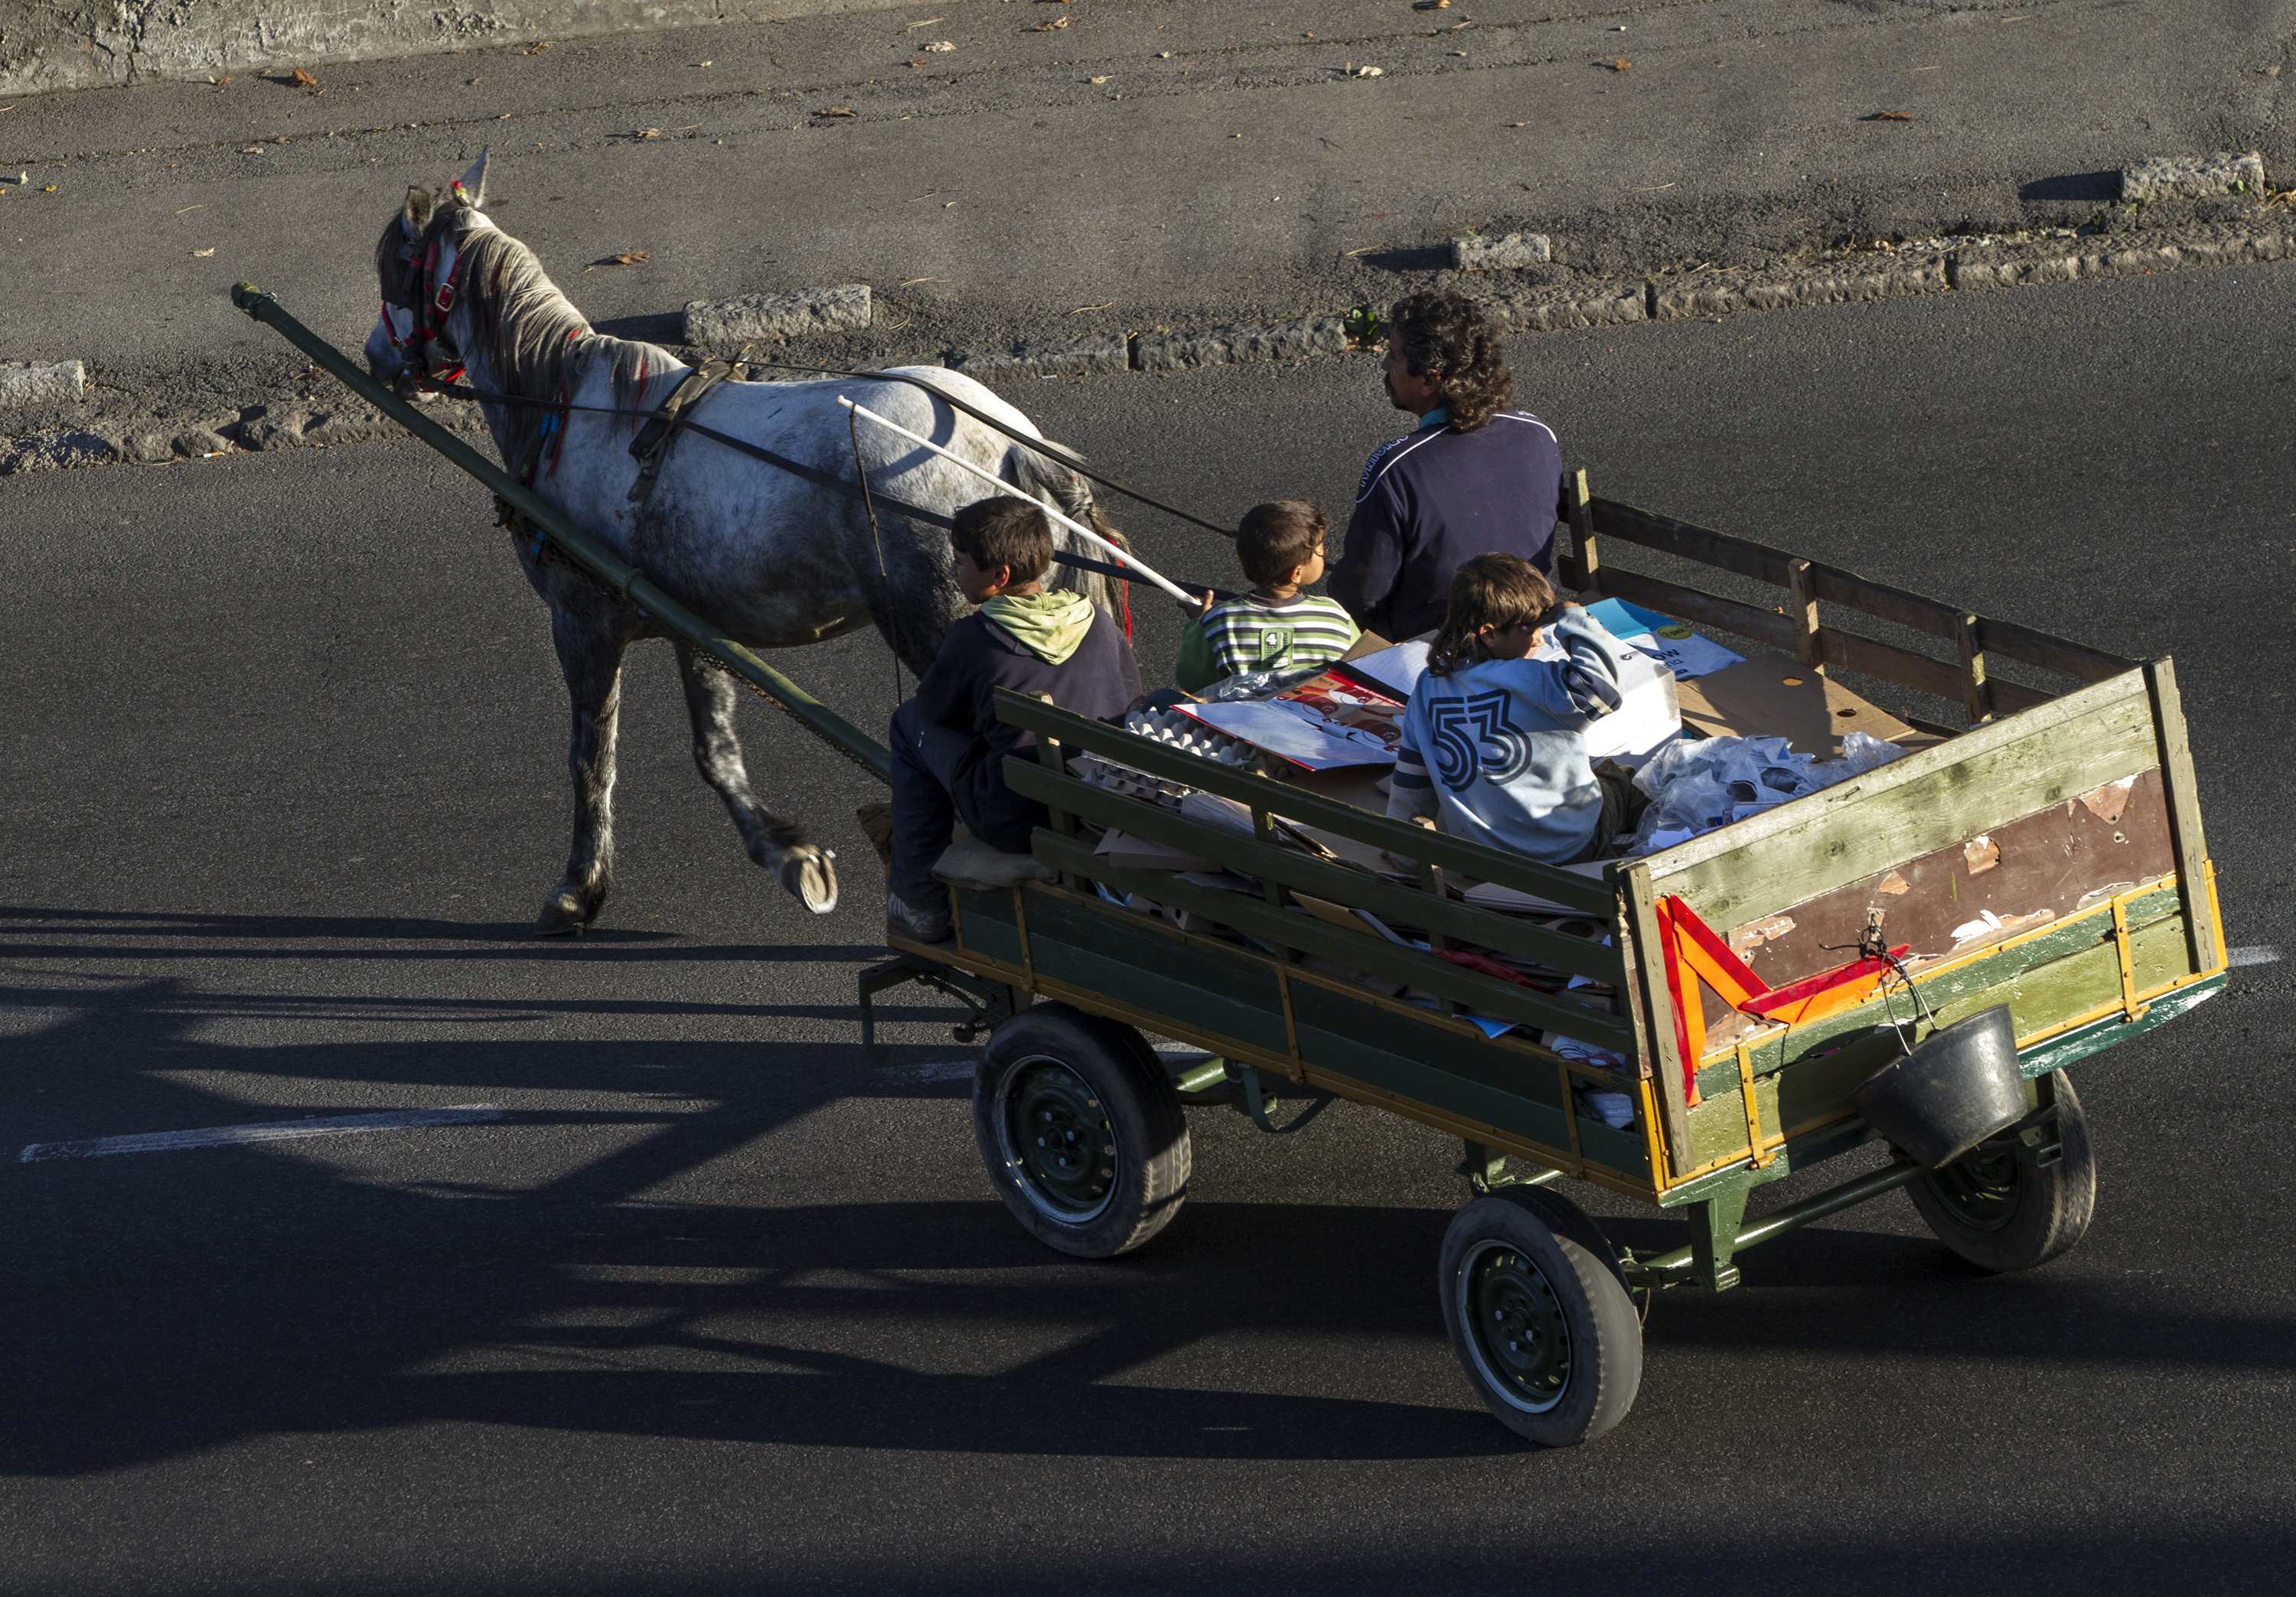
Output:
x=1769 y=695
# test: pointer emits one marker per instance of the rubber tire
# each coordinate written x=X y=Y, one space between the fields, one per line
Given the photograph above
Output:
x=1606 y=1335
x=2053 y=1205
x=1154 y=1156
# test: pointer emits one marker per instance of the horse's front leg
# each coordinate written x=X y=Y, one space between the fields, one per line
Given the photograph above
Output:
x=590 y=657
x=781 y=845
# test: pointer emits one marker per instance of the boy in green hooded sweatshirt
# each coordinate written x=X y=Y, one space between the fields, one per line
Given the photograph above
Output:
x=948 y=747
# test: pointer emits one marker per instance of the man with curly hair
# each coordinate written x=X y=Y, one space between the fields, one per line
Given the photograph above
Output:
x=1474 y=478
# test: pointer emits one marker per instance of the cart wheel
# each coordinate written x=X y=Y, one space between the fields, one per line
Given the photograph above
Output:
x=1081 y=1130
x=1543 y=1329
x=2001 y=1211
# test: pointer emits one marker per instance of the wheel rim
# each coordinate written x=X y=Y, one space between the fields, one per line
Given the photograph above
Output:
x=1980 y=1190
x=1057 y=1141
x=1517 y=1333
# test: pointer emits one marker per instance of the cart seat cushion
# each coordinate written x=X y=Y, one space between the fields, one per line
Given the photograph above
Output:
x=971 y=862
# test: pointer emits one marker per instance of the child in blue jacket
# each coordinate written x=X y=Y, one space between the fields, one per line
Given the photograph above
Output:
x=1494 y=742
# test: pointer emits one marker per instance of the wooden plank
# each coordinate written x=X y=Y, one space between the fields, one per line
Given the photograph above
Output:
x=1836 y=586
x=1810 y=644
x=1486 y=994
x=1855 y=651
x=1976 y=687
x=1708 y=547
x=2192 y=848
x=1658 y=1015
x=1986 y=777
x=1583 y=570
x=1341 y=884
x=1591 y=896
x=2076 y=661
x=1708 y=610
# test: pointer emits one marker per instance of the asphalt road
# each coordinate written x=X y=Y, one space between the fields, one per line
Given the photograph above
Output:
x=717 y=1307
x=1142 y=162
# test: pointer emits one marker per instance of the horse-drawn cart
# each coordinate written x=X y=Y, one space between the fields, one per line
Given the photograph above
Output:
x=2015 y=894
x=2047 y=861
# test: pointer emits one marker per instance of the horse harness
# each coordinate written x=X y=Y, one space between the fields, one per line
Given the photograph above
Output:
x=651 y=447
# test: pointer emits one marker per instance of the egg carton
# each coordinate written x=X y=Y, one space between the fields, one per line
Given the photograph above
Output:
x=1189 y=735
x=1094 y=771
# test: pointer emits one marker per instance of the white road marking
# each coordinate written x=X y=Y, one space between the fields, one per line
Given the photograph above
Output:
x=2262 y=954
x=271 y=1131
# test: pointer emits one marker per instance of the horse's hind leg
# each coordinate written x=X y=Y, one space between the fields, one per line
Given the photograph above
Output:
x=779 y=845
x=590 y=657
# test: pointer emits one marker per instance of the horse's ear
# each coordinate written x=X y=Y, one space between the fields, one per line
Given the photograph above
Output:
x=415 y=215
x=473 y=184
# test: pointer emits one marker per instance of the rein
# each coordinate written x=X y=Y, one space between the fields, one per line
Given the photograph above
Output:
x=813 y=474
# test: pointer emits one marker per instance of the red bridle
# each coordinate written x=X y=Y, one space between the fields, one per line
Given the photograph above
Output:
x=426 y=316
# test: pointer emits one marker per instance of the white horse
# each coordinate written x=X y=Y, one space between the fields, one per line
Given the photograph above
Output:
x=776 y=557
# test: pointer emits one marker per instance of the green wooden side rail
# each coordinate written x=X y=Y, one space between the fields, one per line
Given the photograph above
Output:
x=1591 y=896
x=1337 y=883
x=1793 y=627
x=1288 y=929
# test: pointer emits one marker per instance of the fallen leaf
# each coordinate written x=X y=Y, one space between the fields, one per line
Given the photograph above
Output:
x=915 y=60
x=627 y=257
x=645 y=133
x=201 y=254
x=1431 y=5
x=504 y=117
x=1101 y=78
x=252 y=149
x=838 y=111
x=50 y=189
x=1366 y=71
x=222 y=81
x=1060 y=21
x=536 y=48
x=304 y=80
x=940 y=47
x=1163 y=55
x=705 y=63
x=1889 y=116
x=1460 y=52
x=1620 y=64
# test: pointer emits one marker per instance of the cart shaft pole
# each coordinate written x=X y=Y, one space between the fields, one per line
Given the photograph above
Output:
x=579 y=547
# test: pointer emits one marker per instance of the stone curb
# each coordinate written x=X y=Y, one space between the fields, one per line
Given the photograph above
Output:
x=1074 y=357
x=1845 y=283
x=2192 y=177
x=1473 y=252
x=24 y=383
x=2021 y=269
x=293 y=425
x=728 y=323
x=1295 y=339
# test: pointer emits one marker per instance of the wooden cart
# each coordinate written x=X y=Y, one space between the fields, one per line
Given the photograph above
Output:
x=2047 y=856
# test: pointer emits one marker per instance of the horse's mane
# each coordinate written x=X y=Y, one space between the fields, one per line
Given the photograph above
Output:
x=534 y=341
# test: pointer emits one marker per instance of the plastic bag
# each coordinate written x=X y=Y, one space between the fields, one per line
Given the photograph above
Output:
x=1698 y=784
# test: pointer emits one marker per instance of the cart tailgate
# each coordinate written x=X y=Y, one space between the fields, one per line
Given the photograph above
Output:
x=2017 y=863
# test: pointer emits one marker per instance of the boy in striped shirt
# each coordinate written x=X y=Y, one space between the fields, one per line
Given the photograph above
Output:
x=1275 y=626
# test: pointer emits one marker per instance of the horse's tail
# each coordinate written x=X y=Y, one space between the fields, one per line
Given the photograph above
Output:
x=1054 y=483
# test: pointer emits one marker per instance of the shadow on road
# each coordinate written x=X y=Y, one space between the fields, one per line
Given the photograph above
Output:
x=162 y=1304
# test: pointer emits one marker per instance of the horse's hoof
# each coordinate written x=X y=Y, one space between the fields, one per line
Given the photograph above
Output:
x=811 y=873
x=563 y=913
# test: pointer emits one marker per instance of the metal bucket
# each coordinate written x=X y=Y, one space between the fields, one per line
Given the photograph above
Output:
x=1951 y=1093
